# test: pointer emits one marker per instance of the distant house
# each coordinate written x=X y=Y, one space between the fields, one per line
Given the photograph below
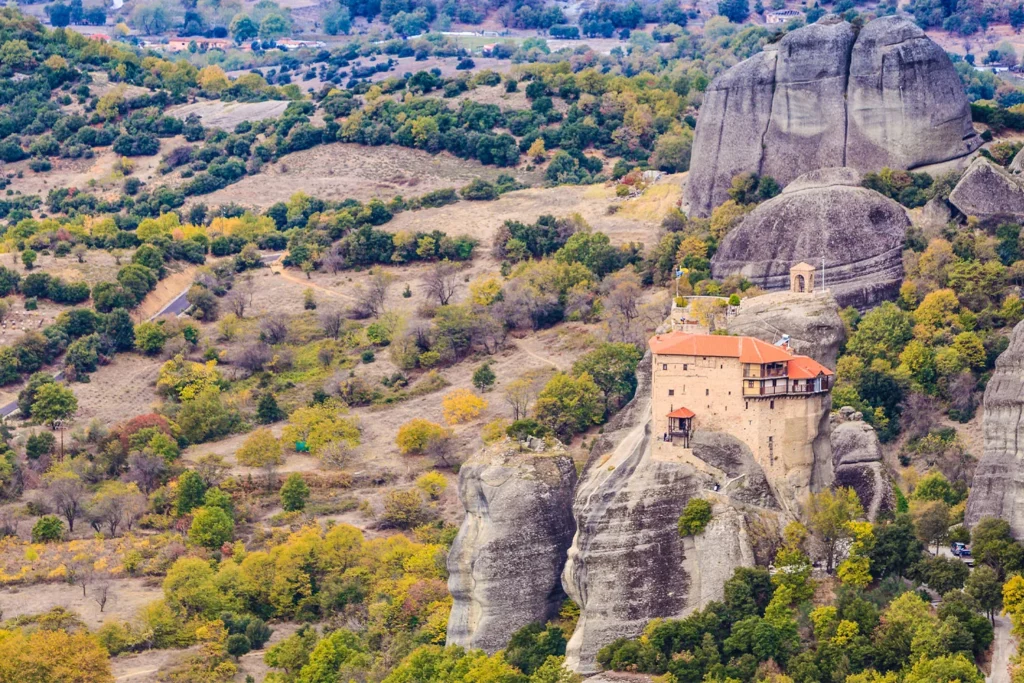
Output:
x=488 y=49
x=287 y=44
x=204 y=44
x=781 y=16
x=98 y=36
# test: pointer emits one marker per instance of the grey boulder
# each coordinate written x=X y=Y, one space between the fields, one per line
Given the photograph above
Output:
x=505 y=564
x=825 y=96
x=989 y=192
x=857 y=460
x=824 y=218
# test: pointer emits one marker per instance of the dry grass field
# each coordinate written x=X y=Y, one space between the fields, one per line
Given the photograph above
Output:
x=118 y=391
x=227 y=115
x=339 y=171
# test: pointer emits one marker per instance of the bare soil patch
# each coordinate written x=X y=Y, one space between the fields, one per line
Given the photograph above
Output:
x=118 y=391
x=340 y=171
x=125 y=599
x=227 y=115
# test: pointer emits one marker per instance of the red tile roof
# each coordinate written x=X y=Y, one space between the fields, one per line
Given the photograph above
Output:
x=802 y=367
x=747 y=349
x=682 y=412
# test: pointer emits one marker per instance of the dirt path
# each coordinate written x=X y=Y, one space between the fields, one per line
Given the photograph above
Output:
x=1003 y=648
x=279 y=269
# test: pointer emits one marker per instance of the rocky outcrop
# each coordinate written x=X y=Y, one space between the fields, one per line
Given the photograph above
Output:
x=998 y=486
x=989 y=192
x=857 y=460
x=824 y=215
x=505 y=564
x=827 y=96
x=811 y=320
x=628 y=564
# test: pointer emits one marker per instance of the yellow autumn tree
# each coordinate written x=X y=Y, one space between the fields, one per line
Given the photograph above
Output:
x=462 y=405
x=44 y=656
x=213 y=79
x=415 y=435
x=320 y=425
x=261 y=449
x=537 y=150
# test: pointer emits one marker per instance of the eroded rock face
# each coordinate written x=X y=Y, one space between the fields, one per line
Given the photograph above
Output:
x=857 y=460
x=827 y=216
x=989 y=192
x=998 y=486
x=505 y=564
x=628 y=564
x=825 y=96
x=811 y=320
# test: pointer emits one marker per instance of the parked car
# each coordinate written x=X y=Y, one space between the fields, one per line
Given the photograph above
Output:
x=960 y=549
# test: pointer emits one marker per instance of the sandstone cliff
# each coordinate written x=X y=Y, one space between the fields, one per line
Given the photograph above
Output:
x=989 y=192
x=827 y=96
x=998 y=486
x=811 y=320
x=627 y=564
x=822 y=215
x=857 y=459
x=505 y=564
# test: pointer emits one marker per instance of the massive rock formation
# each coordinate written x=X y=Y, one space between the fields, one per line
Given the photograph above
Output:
x=827 y=96
x=811 y=320
x=505 y=564
x=998 y=486
x=822 y=215
x=857 y=459
x=627 y=564
x=989 y=192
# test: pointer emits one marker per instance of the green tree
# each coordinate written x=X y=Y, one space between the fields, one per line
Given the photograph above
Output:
x=830 y=513
x=267 y=410
x=568 y=405
x=150 y=337
x=931 y=521
x=984 y=585
x=882 y=333
x=897 y=548
x=243 y=28
x=211 y=527
x=695 y=517
x=484 y=377
x=945 y=669
x=294 y=493
x=118 y=326
x=48 y=529
x=613 y=369
x=53 y=404
x=273 y=27
x=191 y=492
x=28 y=257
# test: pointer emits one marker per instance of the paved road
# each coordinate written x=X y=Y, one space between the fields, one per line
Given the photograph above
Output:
x=1002 y=650
x=176 y=307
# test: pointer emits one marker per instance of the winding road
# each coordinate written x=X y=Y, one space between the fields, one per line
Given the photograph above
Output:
x=176 y=307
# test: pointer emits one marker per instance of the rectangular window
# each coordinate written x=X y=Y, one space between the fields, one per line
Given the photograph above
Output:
x=707 y=392
x=664 y=366
x=771 y=405
x=671 y=392
x=685 y=366
x=746 y=405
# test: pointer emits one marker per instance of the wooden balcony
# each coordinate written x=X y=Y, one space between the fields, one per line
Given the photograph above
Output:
x=765 y=389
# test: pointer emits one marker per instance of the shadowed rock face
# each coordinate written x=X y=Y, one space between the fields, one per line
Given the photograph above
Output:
x=989 y=193
x=857 y=460
x=998 y=486
x=811 y=320
x=824 y=213
x=505 y=564
x=827 y=96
